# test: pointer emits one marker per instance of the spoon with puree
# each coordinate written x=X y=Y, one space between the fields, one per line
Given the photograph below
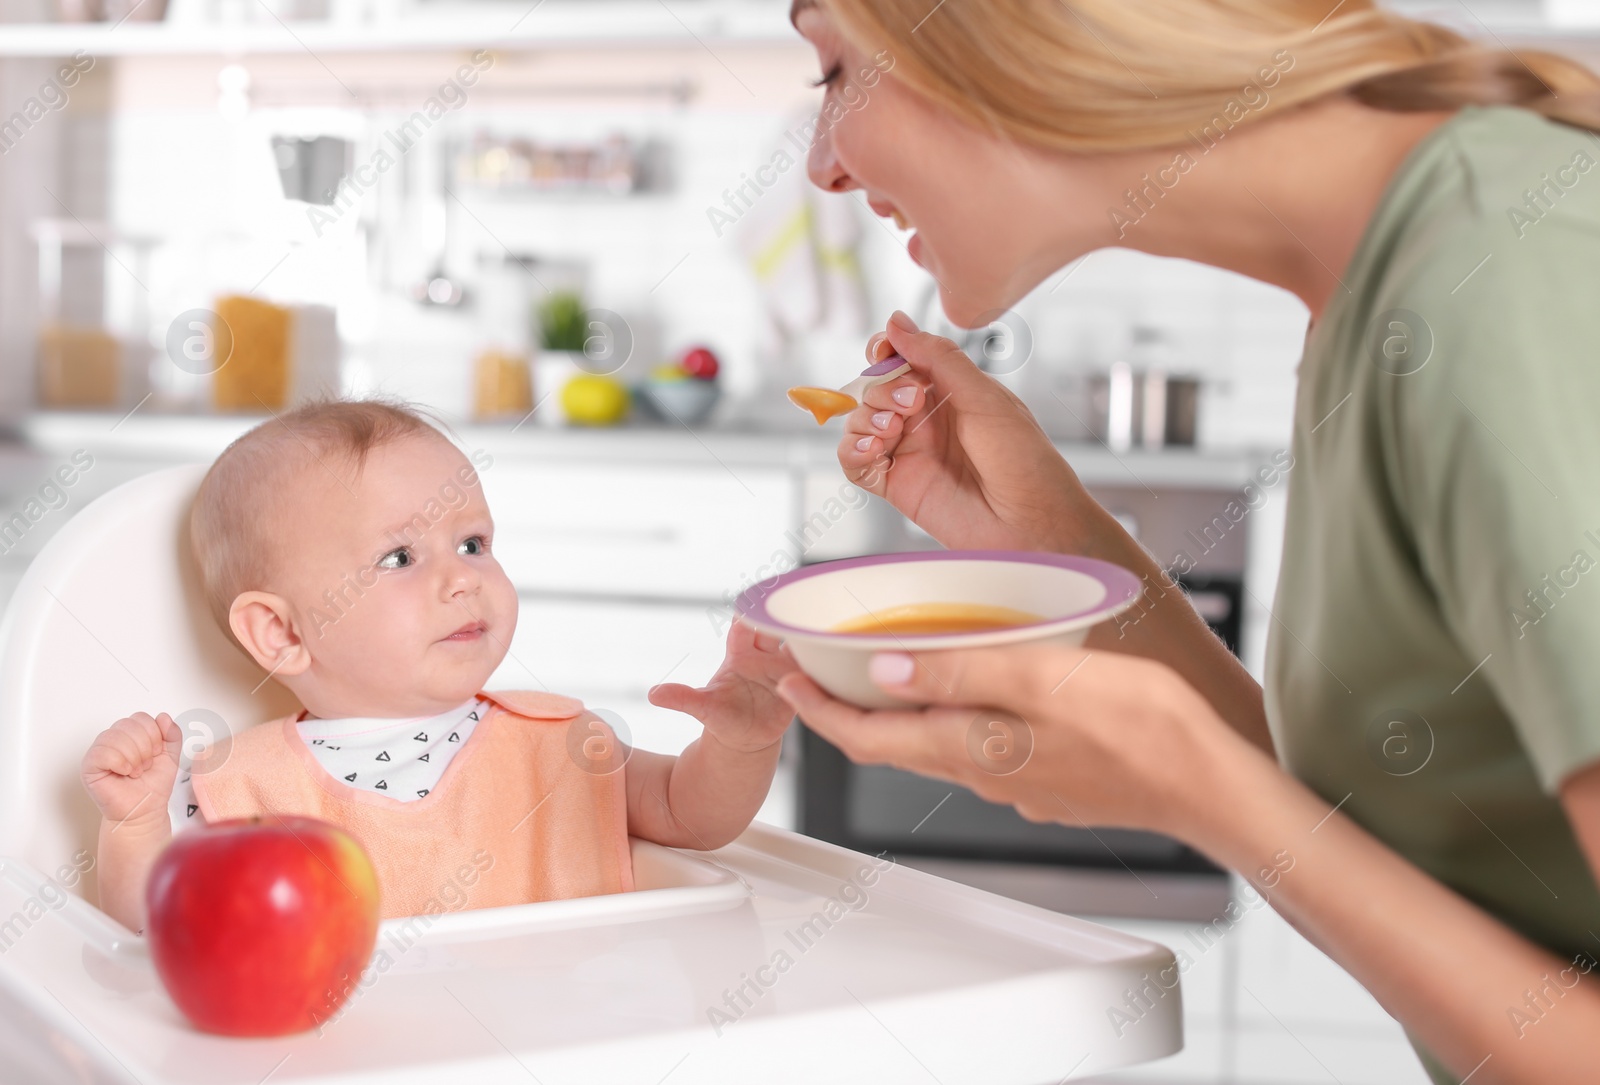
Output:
x=826 y=403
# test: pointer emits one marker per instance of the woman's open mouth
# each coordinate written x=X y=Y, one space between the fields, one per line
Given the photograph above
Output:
x=889 y=211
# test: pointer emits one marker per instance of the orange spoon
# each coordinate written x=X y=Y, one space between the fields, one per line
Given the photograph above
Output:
x=826 y=403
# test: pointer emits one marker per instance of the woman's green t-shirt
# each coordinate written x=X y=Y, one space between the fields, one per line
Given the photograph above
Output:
x=1434 y=659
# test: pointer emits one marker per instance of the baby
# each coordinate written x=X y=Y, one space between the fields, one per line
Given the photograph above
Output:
x=347 y=547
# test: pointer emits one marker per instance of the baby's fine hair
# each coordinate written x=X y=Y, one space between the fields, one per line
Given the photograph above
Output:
x=238 y=515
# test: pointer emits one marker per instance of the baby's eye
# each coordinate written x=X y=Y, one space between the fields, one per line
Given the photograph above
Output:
x=474 y=546
x=397 y=559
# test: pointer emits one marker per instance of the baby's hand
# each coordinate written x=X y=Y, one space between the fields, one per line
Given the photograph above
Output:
x=740 y=706
x=131 y=767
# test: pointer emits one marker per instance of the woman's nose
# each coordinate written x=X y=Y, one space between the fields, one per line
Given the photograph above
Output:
x=823 y=166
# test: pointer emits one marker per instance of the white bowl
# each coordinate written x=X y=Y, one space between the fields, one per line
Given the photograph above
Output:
x=804 y=606
x=688 y=401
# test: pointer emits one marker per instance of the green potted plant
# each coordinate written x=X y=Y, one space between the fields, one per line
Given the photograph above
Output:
x=566 y=329
x=561 y=322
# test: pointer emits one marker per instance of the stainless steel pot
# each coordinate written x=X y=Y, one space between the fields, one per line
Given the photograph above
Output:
x=1148 y=409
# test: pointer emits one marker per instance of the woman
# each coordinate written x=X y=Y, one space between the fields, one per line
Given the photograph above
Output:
x=1431 y=692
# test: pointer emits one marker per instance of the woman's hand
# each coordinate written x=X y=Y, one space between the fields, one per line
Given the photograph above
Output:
x=958 y=453
x=1062 y=734
x=1109 y=739
x=953 y=449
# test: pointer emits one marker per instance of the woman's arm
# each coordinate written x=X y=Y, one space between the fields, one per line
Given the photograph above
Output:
x=1164 y=627
x=1114 y=740
x=1485 y=1000
x=965 y=459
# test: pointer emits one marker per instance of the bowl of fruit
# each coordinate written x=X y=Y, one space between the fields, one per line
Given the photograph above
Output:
x=686 y=390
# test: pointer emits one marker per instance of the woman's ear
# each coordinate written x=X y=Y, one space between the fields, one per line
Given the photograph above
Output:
x=260 y=620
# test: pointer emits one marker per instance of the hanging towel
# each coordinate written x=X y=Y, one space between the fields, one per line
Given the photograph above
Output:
x=836 y=228
x=775 y=236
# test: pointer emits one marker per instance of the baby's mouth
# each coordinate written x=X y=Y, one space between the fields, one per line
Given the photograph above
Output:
x=470 y=632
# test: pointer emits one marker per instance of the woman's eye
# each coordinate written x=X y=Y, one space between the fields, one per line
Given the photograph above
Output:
x=827 y=80
x=396 y=559
x=473 y=546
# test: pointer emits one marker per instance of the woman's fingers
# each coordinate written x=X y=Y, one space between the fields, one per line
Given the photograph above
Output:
x=939 y=363
x=1008 y=676
x=869 y=443
x=869 y=437
x=864 y=421
x=866 y=461
x=903 y=395
x=878 y=348
x=903 y=739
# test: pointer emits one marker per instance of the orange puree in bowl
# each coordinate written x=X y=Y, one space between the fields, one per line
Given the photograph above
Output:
x=924 y=618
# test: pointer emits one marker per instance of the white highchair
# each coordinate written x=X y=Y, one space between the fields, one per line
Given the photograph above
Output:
x=775 y=959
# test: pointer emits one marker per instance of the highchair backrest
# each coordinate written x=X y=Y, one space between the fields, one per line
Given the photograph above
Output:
x=109 y=620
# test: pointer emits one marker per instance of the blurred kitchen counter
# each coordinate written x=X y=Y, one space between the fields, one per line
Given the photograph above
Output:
x=40 y=438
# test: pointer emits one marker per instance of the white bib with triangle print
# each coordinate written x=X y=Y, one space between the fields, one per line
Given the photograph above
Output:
x=401 y=758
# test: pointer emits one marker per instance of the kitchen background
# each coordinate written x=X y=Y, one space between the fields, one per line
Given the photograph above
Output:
x=472 y=204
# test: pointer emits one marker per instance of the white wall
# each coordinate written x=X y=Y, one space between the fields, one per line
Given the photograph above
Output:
x=179 y=169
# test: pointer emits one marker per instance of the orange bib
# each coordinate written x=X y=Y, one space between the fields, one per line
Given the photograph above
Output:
x=514 y=818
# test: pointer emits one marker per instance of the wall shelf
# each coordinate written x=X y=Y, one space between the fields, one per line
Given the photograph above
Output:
x=620 y=23
x=623 y=23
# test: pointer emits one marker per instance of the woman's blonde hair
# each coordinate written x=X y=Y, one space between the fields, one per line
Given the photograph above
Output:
x=1111 y=75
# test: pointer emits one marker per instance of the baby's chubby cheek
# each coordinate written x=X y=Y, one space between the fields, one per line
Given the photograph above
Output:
x=500 y=599
x=364 y=644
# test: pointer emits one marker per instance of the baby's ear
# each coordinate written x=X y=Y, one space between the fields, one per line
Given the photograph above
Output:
x=260 y=620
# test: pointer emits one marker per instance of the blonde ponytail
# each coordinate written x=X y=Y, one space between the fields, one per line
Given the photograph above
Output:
x=1109 y=75
x=1547 y=83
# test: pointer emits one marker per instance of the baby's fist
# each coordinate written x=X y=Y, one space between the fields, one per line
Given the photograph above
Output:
x=131 y=767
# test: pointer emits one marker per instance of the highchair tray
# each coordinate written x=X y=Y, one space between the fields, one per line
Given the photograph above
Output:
x=775 y=959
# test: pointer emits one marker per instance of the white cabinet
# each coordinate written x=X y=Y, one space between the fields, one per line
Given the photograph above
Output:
x=639 y=529
x=626 y=573
x=609 y=653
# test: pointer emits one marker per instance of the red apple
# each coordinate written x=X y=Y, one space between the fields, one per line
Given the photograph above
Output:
x=261 y=926
x=700 y=362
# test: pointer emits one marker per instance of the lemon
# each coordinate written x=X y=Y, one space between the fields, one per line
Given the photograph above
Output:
x=593 y=400
x=669 y=371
